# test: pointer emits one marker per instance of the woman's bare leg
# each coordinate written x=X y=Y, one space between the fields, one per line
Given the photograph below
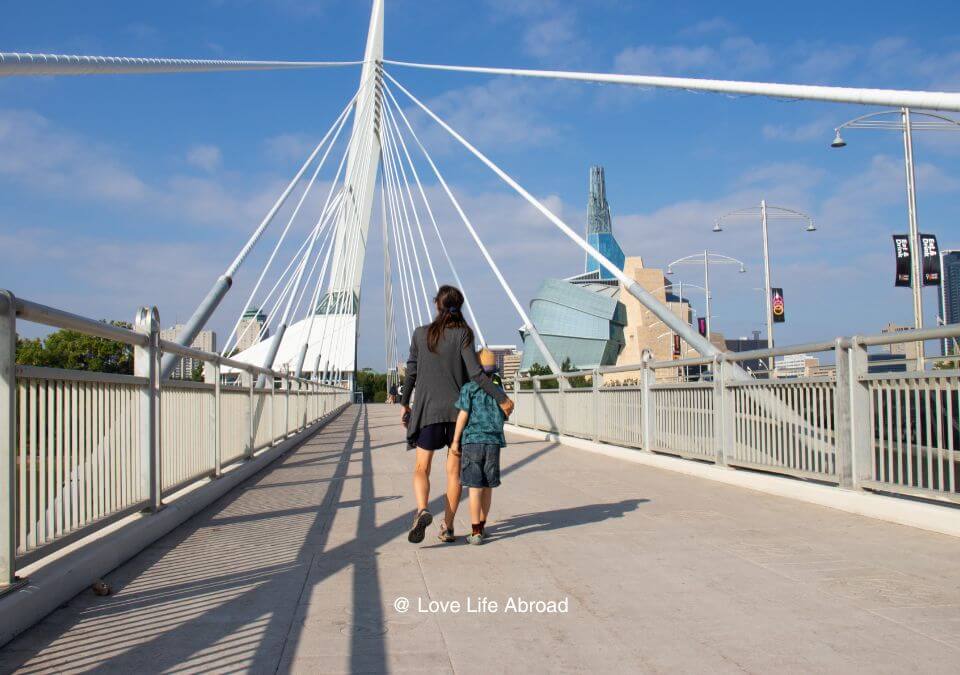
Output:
x=421 y=478
x=453 y=489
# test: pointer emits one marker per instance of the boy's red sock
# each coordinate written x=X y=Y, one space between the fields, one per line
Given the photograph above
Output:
x=477 y=528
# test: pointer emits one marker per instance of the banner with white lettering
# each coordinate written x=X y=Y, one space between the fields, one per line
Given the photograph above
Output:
x=931 y=259
x=901 y=247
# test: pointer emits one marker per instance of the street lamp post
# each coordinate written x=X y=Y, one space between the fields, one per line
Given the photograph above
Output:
x=903 y=121
x=767 y=212
x=706 y=258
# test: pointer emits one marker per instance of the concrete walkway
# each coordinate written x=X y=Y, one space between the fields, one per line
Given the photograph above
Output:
x=300 y=569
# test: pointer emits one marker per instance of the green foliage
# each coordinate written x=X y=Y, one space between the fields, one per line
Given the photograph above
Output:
x=576 y=382
x=71 y=350
x=197 y=373
x=373 y=385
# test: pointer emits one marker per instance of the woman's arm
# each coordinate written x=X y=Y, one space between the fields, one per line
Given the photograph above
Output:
x=475 y=372
x=410 y=380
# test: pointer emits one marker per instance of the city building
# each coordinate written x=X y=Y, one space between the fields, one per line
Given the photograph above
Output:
x=591 y=320
x=600 y=226
x=580 y=322
x=757 y=367
x=511 y=364
x=500 y=352
x=205 y=340
x=794 y=366
x=905 y=350
x=248 y=330
x=949 y=295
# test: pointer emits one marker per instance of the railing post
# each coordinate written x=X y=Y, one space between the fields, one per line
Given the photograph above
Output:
x=843 y=431
x=215 y=420
x=146 y=363
x=595 y=384
x=251 y=415
x=536 y=402
x=723 y=412
x=647 y=379
x=861 y=425
x=8 y=439
x=561 y=411
x=286 y=407
x=273 y=409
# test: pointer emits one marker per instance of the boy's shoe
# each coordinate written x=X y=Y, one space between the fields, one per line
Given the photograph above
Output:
x=475 y=539
x=446 y=535
x=420 y=524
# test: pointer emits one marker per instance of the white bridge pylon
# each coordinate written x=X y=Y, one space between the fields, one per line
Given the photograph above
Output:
x=315 y=330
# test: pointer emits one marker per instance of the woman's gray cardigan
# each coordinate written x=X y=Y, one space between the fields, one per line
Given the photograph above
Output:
x=438 y=377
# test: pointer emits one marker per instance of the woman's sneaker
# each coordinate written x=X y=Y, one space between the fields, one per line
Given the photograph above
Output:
x=475 y=539
x=420 y=524
x=446 y=534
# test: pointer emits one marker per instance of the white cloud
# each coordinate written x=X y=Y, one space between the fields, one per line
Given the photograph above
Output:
x=551 y=31
x=708 y=26
x=732 y=56
x=816 y=130
x=206 y=157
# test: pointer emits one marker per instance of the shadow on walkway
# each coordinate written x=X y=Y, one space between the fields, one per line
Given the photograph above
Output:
x=546 y=521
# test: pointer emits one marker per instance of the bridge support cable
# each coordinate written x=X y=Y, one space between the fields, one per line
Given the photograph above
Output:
x=281 y=330
x=339 y=124
x=388 y=308
x=352 y=241
x=397 y=161
x=386 y=255
x=388 y=107
x=896 y=98
x=215 y=295
x=412 y=265
x=315 y=298
x=661 y=311
x=283 y=276
x=408 y=284
x=13 y=64
x=527 y=323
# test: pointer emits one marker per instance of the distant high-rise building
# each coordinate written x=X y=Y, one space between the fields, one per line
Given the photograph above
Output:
x=248 y=332
x=206 y=340
x=500 y=352
x=950 y=295
x=511 y=364
x=905 y=350
x=600 y=226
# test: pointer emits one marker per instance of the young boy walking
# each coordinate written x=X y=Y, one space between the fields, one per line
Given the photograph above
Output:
x=477 y=439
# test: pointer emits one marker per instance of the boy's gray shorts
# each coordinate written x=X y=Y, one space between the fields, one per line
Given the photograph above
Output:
x=480 y=465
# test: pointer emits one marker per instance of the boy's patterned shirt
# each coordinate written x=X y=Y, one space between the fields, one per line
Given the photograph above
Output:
x=486 y=417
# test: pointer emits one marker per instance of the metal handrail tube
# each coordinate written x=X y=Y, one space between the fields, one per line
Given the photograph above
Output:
x=940 y=332
x=49 y=316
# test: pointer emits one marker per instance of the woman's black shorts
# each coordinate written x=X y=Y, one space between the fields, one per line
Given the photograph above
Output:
x=436 y=436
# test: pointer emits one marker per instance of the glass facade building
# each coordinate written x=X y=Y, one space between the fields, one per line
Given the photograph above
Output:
x=600 y=226
x=950 y=294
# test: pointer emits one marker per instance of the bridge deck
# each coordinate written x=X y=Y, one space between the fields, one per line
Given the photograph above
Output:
x=299 y=570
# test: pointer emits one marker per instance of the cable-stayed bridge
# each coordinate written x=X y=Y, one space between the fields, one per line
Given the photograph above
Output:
x=255 y=521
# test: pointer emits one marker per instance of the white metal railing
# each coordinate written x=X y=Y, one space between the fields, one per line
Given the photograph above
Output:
x=892 y=432
x=80 y=449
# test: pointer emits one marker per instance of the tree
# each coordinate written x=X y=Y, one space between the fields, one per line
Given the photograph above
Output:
x=373 y=385
x=72 y=350
x=577 y=381
x=197 y=373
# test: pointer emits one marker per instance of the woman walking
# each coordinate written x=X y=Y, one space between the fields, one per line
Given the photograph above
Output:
x=441 y=360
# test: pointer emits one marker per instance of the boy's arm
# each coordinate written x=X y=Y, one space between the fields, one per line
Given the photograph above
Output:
x=462 y=418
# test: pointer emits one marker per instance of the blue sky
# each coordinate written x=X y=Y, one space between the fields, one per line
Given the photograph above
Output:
x=121 y=191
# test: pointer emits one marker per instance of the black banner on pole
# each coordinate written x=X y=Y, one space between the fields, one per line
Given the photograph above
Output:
x=901 y=247
x=702 y=325
x=931 y=259
x=777 y=306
